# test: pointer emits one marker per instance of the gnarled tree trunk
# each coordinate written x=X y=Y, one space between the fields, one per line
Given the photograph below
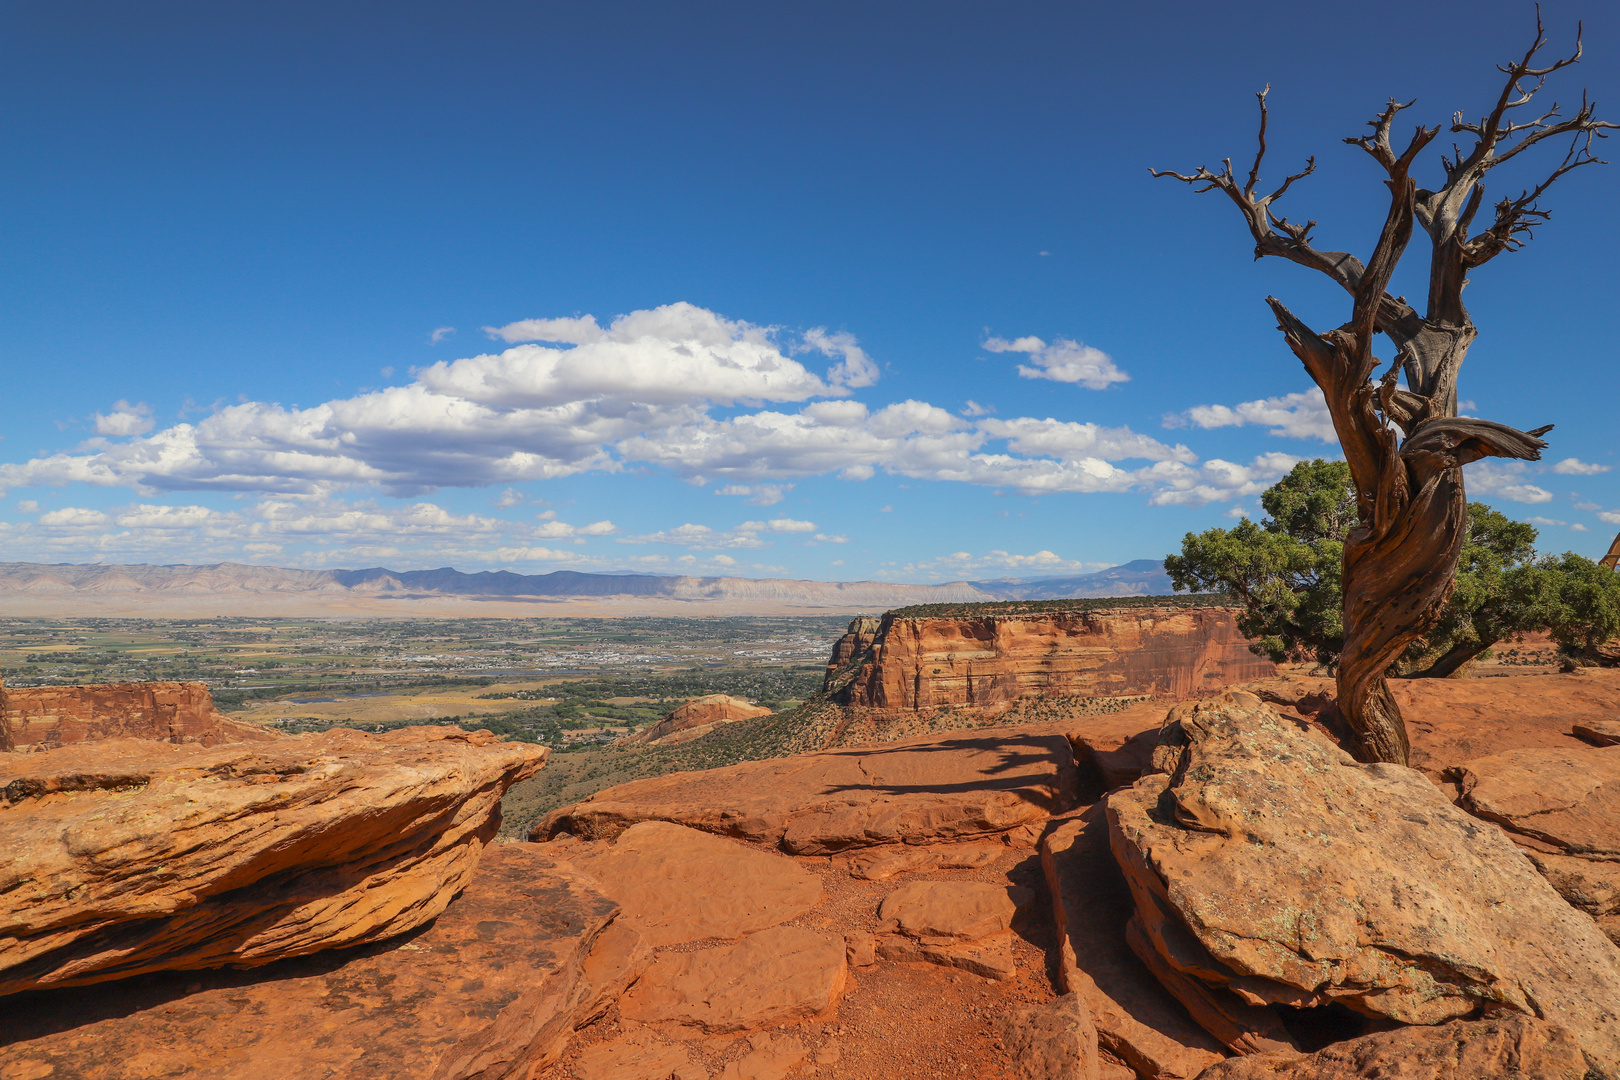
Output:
x=1406 y=448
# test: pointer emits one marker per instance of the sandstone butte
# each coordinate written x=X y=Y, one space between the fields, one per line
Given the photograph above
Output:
x=130 y=856
x=43 y=717
x=1269 y=868
x=993 y=660
x=694 y=719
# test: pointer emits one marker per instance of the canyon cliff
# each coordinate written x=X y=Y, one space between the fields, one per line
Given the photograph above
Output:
x=986 y=660
x=41 y=717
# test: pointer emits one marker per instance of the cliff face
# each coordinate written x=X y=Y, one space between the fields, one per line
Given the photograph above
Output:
x=919 y=663
x=176 y=712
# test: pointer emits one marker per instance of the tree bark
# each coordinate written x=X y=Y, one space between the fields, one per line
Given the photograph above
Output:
x=1453 y=660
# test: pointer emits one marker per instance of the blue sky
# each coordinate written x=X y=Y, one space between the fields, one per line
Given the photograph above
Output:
x=837 y=291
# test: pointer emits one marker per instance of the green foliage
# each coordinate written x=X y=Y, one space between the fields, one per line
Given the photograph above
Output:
x=1037 y=607
x=1286 y=571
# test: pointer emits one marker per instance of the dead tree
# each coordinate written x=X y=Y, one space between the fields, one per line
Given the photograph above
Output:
x=1406 y=447
x=1612 y=559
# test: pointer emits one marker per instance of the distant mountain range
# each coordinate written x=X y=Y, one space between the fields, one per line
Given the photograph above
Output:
x=38 y=587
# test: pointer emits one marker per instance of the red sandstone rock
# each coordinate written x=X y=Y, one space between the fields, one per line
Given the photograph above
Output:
x=936 y=788
x=491 y=990
x=46 y=717
x=128 y=856
x=1136 y=1018
x=638 y=1056
x=771 y=1057
x=1273 y=866
x=878 y=864
x=1055 y=1041
x=1516 y=1047
x=942 y=912
x=989 y=958
x=1597 y=732
x=678 y=885
x=919 y=663
x=777 y=976
x=683 y=722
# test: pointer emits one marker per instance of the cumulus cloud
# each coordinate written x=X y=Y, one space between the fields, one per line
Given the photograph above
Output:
x=1610 y=516
x=1578 y=527
x=442 y=333
x=854 y=368
x=1295 y=416
x=963 y=565
x=1577 y=467
x=700 y=537
x=1505 y=480
x=1216 y=480
x=561 y=530
x=1547 y=521
x=757 y=494
x=777 y=525
x=125 y=420
x=1062 y=361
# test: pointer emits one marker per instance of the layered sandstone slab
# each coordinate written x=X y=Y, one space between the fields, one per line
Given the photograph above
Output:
x=1520 y=1047
x=490 y=990
x=1564 y=806
x=1270 y=867
x=1136 y=1019
x=990 y=660
x=678 y=885
x=129 y=856
x=934 y=789
x=178 y=712
x=777 y=976
x=696 y=718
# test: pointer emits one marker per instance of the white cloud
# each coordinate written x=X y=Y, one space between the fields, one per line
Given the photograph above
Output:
x=440 y=334
x=757 y=494
x=28 y=506
x=1578 y=527
x=550 y=529
x=509 y=498
x=854 y=368
x=1295 y=416
x=1577 y=467
x=1610 y=516
x=1586 y=505
x=698 y=537
x=1070 y=441
x=973 y=408
x=823 y=538
x=961 y=564
x=1504 y=479
x=777 y=525
x=1215 y=480
x=1547 y=521
x=1062 y=361
x=74 y=517
x=125 y=419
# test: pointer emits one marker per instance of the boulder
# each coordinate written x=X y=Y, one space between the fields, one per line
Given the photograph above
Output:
x=131 y=856
x=1520 y=1047
x=1055 y=1041
x=678 y=885
x=684 y=721
x=491 y=990
x=1271 y=866
x=942 y=912
x=881 y=863
x=777 y=976
x=937 y=788
x=1136 y=1019
x=618 y=958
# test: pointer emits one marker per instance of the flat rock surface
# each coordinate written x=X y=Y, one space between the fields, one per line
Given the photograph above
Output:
x=1136 y=1019
x=639 y=1056
x=489 y=990
x=1567 y=797
x=919 y=791
x=1451 y=721
x=678 y=884
x=1277 y=867
x=1597 y=732
x=776 y=976
x=1055 y=1041
x=1516 y=1047
x=881 y=863
x=130 y=856
x=945 y=911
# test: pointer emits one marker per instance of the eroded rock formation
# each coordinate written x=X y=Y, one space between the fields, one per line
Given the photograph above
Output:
x=1268 y=867
x=176 y=712
x=696 y=718
x=918 y=791
x=130 y=856
x=993 y=660
x=490 y=990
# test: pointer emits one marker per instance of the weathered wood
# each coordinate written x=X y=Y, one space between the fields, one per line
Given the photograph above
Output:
x=1406 y=447
x=1612 y=559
